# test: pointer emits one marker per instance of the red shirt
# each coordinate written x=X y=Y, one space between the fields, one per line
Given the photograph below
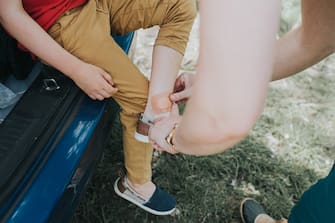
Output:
x=46 y=12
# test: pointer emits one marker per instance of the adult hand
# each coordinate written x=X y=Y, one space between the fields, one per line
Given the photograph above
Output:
x=162 y=128
x=94 y=81
x=183 y=87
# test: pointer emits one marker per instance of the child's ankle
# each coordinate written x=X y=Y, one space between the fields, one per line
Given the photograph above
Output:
x=146 y=189
x=142 y=129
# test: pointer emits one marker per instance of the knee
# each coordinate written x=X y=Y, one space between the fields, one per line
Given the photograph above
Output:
x=332 y=47
x=327 y=43
x=326 y=47
x=133 y=100
x=188 y=10
x=321 y=40
x=177 y=25
x=134 y=105
x=181 y=11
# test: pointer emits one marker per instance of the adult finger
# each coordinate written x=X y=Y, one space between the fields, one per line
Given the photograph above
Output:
x=182 y=95
x=179 y=83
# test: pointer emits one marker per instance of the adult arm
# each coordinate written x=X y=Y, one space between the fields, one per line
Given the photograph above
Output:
x=299 y=49
x=305 y=45
x=237 y=42
x=309 y=43
x=91 y=79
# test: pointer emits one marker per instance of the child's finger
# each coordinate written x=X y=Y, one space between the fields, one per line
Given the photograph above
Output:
x=107 y=77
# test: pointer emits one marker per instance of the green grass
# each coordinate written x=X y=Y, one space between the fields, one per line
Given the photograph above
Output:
x=208 y=189
x=289 y=149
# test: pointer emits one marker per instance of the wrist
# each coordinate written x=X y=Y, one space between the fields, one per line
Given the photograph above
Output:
x=76 y=68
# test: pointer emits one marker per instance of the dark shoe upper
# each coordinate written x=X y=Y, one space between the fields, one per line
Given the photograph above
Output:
x=250 y=209
x=161 y=201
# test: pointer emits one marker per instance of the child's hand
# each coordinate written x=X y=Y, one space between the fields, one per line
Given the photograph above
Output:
x=94 y=81
x=183 y=88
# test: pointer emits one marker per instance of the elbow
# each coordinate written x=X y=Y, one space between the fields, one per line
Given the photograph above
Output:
x=232 y=132
x=239 y=131
x=322 y=42
x=9 y=10
x=1 y=17
x=209 y=138
x=234 y=129
x=326 y=47
x=3 y=10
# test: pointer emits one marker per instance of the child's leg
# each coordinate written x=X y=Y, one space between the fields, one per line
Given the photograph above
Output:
x=168 y=54
x=175 y=18
x=85 y=32
x=165 y=67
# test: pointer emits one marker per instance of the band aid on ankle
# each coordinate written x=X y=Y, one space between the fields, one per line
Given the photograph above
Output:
x=161 y=104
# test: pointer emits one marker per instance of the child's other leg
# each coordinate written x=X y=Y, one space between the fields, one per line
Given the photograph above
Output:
x=175 y=18
x=168 y=54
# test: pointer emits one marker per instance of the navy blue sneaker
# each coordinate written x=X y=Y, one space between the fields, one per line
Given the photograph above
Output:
x=160 y=203
x=252 y=212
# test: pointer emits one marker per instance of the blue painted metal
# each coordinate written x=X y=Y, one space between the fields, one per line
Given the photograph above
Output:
x=124 y=41
x=56 y=174
x=41 y=197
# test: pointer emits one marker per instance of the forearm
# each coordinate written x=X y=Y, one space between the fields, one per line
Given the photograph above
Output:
x=23 y=28
x=297 y=51
x=312 y=41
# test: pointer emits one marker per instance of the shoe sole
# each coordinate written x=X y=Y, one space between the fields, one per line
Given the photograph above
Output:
x=141 y=138
x=118 y=192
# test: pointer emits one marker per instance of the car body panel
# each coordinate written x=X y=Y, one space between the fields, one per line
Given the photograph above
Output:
x=63 y=172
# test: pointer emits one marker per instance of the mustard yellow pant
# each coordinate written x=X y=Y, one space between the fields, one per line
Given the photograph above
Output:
x=86 y=33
